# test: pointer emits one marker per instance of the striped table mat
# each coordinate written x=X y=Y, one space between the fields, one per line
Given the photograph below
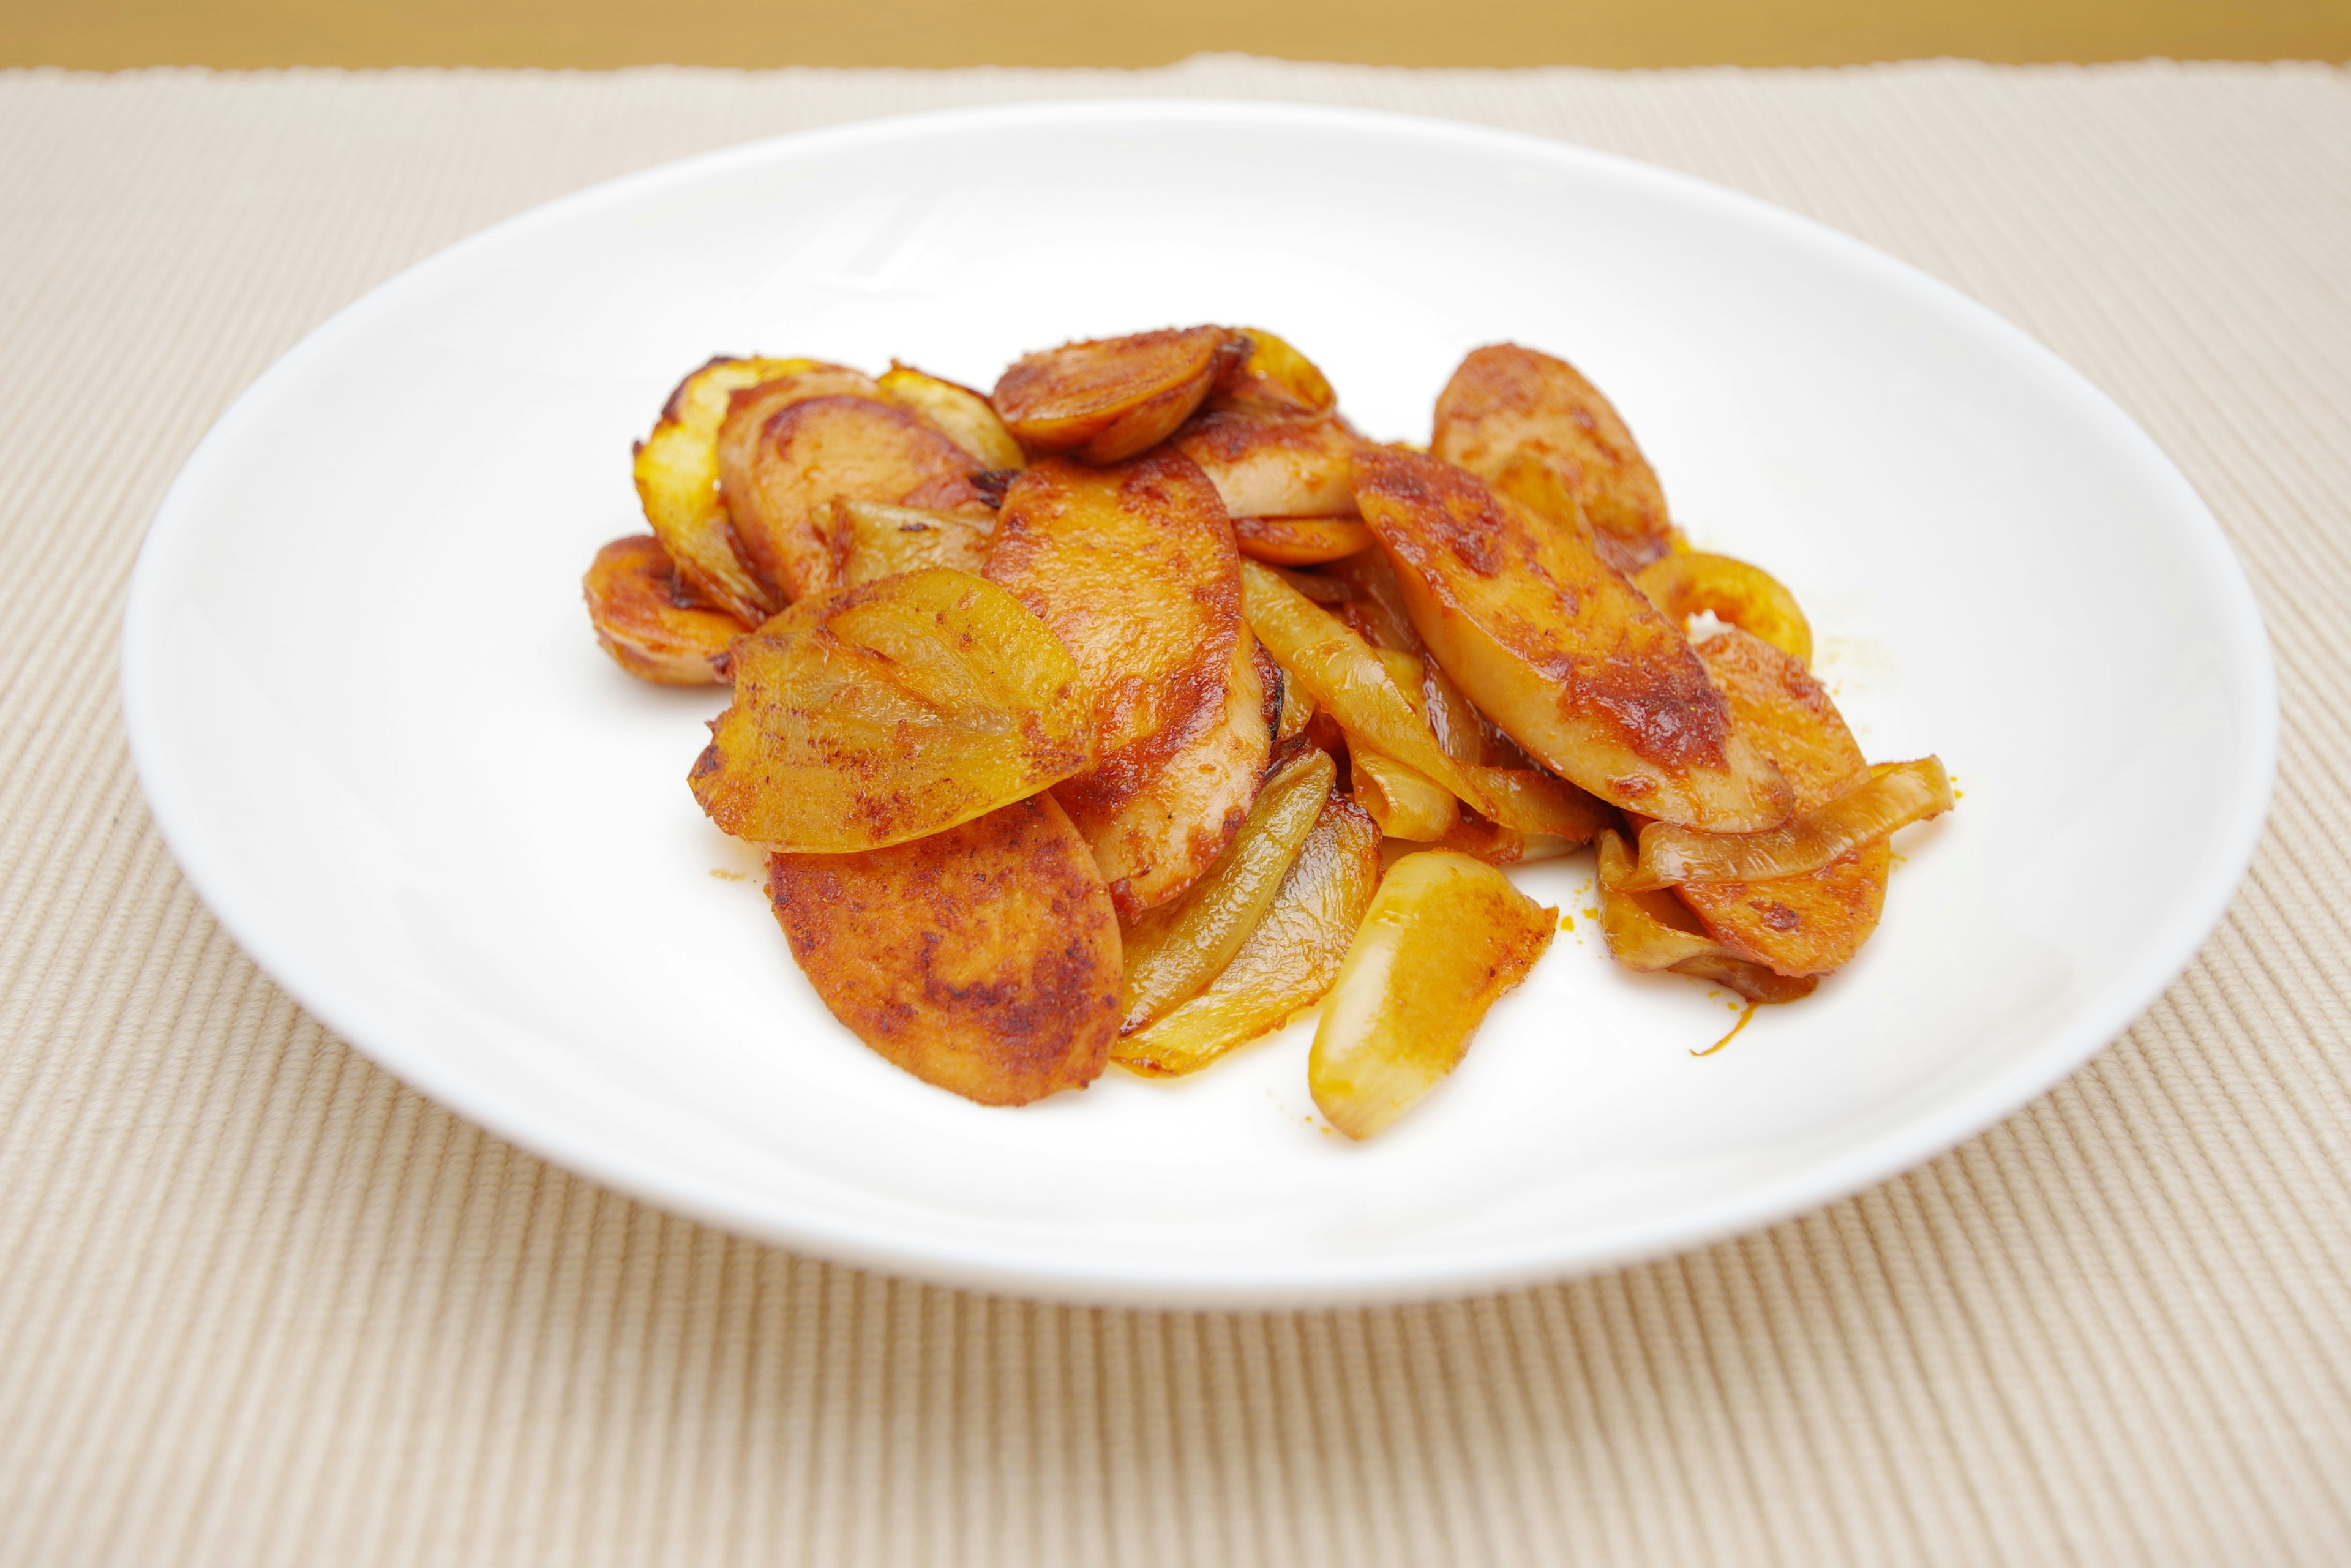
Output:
x=261 y=1304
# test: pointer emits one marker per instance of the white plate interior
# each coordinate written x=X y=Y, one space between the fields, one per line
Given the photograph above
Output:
x=374 y=726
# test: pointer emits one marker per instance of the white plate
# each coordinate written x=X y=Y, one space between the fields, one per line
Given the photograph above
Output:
x=376 y=731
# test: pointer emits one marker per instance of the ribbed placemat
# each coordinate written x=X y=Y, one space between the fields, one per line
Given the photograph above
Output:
x=261 y=1304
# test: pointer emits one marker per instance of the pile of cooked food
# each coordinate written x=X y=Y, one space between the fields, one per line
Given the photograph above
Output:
x=1128 y=711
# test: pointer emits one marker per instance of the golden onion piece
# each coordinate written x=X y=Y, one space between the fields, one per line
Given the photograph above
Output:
x=650 y=629
x=1287 y=962
x=1297 y=708
x=1896 y=795
x=956 y=412
x=1444 y=938
x=1346 y=676
x=1651 y=931
x=1174 y=950
x=1406 y=803
x=1300 y=542
x=1274 y=379
x=1529 y=800
x=1645 y=929
x=1370 y=692
x=1733 y=592
x=875 y=714
x=677 y=471
x=872 y=540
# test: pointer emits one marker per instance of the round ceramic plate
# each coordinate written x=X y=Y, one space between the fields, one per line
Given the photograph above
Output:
x=375 y=729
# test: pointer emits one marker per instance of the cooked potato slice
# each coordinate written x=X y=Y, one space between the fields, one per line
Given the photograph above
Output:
x=1134 y=568
x=983 y=959
x=1733 y=592
x=782 y=467
x=873 y=541
x=676 y=471
x=1798 y=926
x=1274 y=379
x=1562 y=653
x=646 y=622
x=1508 y=404
x=1300 y=542
x=1107 y=399
x=880 y=714
x=957 y=412
x=1288 y=961
x=1176 y=949
x=1445 y=936
x=1407 y=804
x=1275 y=467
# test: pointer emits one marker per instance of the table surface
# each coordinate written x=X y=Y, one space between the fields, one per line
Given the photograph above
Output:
x=606 y=33
x=260 y=1303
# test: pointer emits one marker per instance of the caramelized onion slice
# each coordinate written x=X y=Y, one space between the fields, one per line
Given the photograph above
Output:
x=956 y=412
x=1287 y=962
x=676 y=470
x=1406 y=803
x=1531 y=802
x=876 y=714
x=1645 y=930
x=1731 y=590
x=1347 y=678
x=1173 y=951
x=1274 y=379
x=1896 y=795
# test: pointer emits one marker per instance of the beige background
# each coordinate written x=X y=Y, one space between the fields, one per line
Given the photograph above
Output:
x=260 y=1304
x=109 y=33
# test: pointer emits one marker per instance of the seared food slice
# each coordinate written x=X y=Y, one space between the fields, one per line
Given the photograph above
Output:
x=677 y=480
x=1353 y=682
x=880 y=714
x=782 y=467
x=1275 y=379
x=1276 y=467
x=1134 y=568
x=1110 y=399
x=1738 y=594
x=956 y=412
x=872 y=540
x=1509 y=405
x=1288 y=961
x=1896 y=795
x=1812 y=921
x=1650 y=931
x=983 y=960
x=1407 y=803
x=647 y=622
x=1174 y=950
x=1562 y=653
x=1300 y=542
x=1444 y=938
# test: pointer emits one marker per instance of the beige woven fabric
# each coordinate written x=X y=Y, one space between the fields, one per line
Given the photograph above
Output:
x=260 y=1304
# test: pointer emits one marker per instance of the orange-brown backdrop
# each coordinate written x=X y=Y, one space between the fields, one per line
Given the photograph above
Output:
x=106 y=33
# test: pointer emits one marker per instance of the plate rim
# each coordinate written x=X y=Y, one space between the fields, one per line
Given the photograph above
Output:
x=1911 y=1141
